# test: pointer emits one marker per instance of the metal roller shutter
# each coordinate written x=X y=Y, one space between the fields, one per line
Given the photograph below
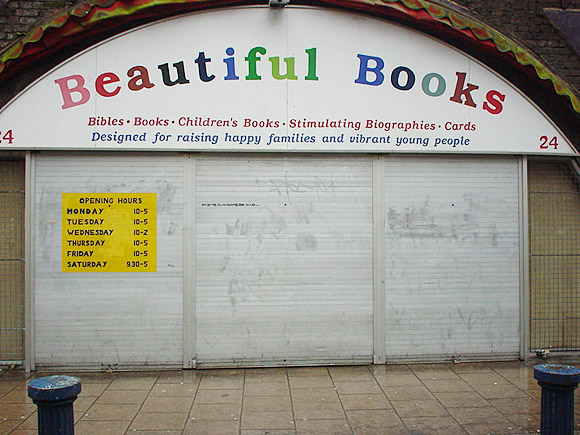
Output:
x=108 y=319
x=283 y=259
x=452 y=258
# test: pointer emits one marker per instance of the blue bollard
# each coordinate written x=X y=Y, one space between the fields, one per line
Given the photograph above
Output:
x=54 y=396
x=558 y=383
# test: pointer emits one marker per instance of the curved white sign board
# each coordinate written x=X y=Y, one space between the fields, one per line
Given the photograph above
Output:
x=285 y=79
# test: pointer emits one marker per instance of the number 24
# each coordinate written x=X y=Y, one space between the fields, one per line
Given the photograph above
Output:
x=544 y=144
x=8 y=137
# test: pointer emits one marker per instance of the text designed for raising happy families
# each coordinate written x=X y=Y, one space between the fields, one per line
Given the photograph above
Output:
x=194 y=131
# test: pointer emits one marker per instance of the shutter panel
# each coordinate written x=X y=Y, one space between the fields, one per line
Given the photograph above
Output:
x=283 y=259
x=452 y=257
x=101 y=319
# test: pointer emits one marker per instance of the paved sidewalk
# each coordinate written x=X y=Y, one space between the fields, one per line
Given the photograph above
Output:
x=486 y=398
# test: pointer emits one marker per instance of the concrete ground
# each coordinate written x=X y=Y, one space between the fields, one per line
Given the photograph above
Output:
x=466 y=398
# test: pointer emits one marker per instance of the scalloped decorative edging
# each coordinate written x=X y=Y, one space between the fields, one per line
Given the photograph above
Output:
x=90 y=13
x=502 y=43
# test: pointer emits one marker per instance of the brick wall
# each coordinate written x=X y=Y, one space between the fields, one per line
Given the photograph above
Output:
x=17 y=17
x=522 y=19
x=525 y=21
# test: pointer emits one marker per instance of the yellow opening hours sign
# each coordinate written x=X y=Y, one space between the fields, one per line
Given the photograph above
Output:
x=109 y=232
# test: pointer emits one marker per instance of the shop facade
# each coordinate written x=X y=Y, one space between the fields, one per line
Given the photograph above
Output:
x=266 y=185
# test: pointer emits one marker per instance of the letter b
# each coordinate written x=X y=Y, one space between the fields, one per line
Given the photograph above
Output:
x=364 y=69
x=67 y=91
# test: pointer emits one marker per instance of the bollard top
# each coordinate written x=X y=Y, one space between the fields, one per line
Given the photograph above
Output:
x=557 y=374
x=54 y=388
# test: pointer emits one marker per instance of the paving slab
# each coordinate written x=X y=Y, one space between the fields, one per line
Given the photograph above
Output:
x=414 y=399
